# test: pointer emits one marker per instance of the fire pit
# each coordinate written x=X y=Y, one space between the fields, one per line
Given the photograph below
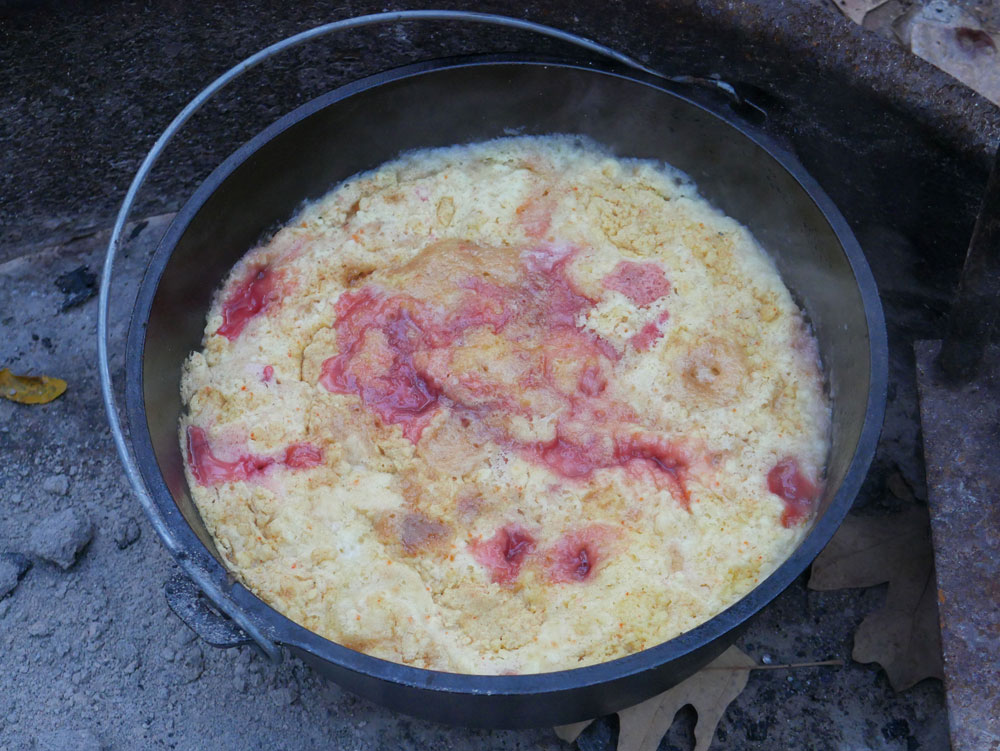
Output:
x=886 y=135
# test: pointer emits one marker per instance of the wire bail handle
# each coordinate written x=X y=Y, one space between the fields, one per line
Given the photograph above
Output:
x=198 y=574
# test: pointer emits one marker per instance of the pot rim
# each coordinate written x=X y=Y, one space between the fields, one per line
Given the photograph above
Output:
x=195 y=558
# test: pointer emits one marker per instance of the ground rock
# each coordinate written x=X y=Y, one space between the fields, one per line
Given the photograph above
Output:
x=12 y=567
x=41 y=628
x=61 y=537
x=56 y=484
x=189 y=664
x=126 y=532
x=283 y=696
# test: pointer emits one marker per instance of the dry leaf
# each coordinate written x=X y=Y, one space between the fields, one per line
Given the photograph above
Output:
x=570 y=733
x=30 y=389
x=900 y=488
x=709 y=691
x=856 y=10
x=904 y=636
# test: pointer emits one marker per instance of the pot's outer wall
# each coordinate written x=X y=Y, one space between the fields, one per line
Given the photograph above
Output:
x=309 y=151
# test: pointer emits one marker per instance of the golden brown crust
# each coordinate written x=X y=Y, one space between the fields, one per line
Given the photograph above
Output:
x=590 y=476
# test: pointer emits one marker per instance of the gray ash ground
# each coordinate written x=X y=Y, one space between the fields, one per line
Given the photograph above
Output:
x=91 y=657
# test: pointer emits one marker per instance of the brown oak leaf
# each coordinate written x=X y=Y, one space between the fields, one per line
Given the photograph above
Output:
x=904 y=636
x=709 y=691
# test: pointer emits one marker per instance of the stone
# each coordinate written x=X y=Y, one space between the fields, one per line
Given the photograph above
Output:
x=67 y=740
x=126 y=532
x=61 y=537
x=190 y=664
x=13 y=566
x=284 y=696
x=182 y=637
x=40 y=628
x=56 y=484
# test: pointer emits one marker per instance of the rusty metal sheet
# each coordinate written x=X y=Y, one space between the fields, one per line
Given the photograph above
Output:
x=961 y=428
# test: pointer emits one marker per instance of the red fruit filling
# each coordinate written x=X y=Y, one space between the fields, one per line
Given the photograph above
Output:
x=493 y=343
x=666 y=462
x=646 y=337
x=302 y=456
x=252 y=296
x=642 y=283
x=208 y=469
x=504 y=553
x=649 y=334
x=577 y=555
x=787 y=481
x=378 y=339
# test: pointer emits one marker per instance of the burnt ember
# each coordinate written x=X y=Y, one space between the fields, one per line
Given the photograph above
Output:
x=78 y=285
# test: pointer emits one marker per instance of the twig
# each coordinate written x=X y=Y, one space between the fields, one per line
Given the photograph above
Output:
x=820 y=664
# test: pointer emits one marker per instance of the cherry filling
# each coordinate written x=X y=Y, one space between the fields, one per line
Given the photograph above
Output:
x=395 y=349
x=302 y=456
x=574 y=457
x=649 y=334
x=378 y=338
x=208 y=469
x=504 y=553
x=787 y=481
x=642 y=283
x=251 y=297
x=665 y=460
x=578 y=554
x=492 y=342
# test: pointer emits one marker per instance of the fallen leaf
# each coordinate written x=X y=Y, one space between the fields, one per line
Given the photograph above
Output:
x=904 y=636
x=900 y=488
x=30 y=389
x=856 y=10
x=709 y=691
x=570 y=733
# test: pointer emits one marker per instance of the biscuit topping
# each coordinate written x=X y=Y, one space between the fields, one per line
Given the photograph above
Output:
x=510 y=407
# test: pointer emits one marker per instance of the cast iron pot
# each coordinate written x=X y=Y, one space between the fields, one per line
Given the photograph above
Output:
x=358 y=127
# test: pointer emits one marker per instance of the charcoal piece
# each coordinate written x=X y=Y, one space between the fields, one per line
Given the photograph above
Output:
x=78 y=286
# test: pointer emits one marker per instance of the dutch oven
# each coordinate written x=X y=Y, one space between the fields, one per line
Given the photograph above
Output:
x=358 y=127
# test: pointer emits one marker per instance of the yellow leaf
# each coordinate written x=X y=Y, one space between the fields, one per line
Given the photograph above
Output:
x=30 y=389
